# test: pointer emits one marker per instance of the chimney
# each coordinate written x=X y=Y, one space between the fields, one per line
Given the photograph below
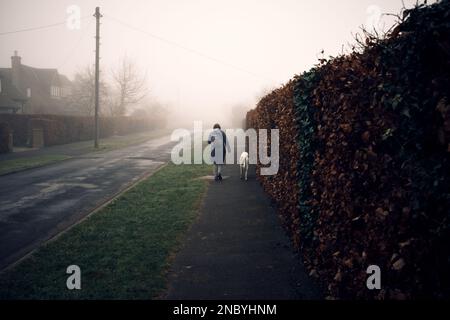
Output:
x=15 y=70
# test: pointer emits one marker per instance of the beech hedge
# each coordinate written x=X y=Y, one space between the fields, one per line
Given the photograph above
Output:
x=367 y=179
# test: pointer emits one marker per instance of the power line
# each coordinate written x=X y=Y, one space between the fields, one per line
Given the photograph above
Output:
x=77 y=43
x=36 y=28
x=185 y=48
x=73 y=50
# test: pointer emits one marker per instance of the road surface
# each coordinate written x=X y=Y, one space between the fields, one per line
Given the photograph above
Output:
x=37 y=204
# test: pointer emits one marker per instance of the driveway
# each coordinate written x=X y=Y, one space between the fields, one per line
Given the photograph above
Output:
x=37 y=204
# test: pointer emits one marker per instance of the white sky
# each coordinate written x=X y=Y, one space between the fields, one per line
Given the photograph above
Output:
x=271 y=39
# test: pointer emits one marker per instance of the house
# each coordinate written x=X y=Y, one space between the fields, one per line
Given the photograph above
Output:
x=25 y=89
x=11 y=99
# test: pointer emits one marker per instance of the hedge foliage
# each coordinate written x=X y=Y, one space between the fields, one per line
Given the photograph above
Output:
x=373 y=161
x=60 y=129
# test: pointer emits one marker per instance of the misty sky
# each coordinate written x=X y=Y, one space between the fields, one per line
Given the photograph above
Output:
x=263 y=43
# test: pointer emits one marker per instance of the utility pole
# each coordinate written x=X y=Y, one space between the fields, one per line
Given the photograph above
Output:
x=97 y=16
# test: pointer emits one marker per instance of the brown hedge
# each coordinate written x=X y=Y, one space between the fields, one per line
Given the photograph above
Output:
x=373 y=164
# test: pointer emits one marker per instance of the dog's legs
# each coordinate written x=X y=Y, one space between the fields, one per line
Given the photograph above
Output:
x=240 y=172
x=246 y=172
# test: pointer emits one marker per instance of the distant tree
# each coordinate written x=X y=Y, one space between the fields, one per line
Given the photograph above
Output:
x=152 y=109
x=139 y=113
x=130 y=85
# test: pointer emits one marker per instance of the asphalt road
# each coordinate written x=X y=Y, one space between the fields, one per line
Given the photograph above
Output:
x=39 y=203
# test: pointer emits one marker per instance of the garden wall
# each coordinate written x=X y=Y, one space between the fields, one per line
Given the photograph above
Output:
x=60 y=129
x=5 y=138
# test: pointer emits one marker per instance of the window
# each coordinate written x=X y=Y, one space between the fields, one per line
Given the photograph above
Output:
x=28 y=92
x=55 y=91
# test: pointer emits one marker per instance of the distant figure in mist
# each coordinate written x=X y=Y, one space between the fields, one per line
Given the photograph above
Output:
x=219 y=147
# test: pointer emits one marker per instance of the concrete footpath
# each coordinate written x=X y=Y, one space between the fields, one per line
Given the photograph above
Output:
x=237 y=249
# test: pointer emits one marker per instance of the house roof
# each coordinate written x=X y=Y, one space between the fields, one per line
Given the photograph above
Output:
x=43 y=77
x=7 y=103
x=38 y=79
x=64 y=81
x=12 y=92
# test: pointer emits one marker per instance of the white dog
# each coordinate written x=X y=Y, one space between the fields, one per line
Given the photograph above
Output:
x=243 y=164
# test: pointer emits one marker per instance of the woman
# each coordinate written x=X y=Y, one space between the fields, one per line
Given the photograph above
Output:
x=219 y=146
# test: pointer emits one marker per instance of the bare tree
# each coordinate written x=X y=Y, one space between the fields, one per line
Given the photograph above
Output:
x=82 y=96
x=130 y=85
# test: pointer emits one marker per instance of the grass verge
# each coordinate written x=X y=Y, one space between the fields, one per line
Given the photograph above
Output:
x=14 y=165
x=122 y=250
x=80 y=148
x=119 y=142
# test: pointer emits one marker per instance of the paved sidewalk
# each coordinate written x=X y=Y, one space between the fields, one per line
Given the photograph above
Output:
x=237 y=249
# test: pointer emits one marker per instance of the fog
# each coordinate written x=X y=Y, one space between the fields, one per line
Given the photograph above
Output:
x=202 y=58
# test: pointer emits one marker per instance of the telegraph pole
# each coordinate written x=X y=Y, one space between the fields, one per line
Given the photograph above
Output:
x=97 y=16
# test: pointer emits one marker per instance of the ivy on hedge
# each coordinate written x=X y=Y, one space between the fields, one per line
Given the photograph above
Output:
x=306 y=125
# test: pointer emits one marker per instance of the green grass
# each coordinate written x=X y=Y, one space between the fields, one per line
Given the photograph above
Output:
x=13 y=165
x=119 y=142
x=123 y=250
